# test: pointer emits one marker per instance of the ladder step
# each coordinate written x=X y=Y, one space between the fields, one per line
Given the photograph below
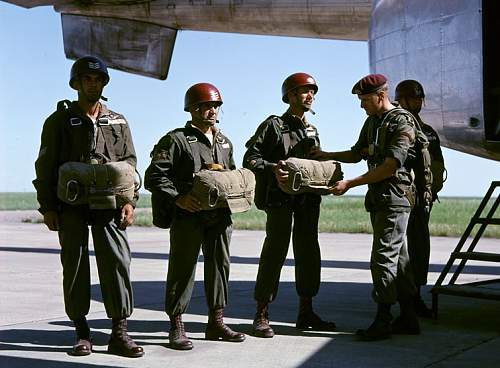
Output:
x=467 y=290
x=482 y=220
x=477 y=256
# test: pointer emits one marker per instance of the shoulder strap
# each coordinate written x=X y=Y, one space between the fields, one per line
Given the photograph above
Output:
x=385 y=123
x=196 y=152
x=64 y=108
x=288 y=140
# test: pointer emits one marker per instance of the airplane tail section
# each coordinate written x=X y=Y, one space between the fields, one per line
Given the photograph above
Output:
x=127 y=45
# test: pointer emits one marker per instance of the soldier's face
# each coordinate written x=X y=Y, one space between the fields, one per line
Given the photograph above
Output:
x=372 y=103
x=302 y=97
x=206 y=112
x=412 y=104
x=90 y=86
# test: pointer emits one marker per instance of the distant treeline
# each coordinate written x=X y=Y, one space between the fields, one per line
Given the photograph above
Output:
x=345 y=214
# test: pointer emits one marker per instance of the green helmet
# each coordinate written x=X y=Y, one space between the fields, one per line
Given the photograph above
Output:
x=88 y=64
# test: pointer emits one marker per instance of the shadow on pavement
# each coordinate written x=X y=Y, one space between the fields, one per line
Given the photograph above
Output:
x=18 y=362
x=474 y=269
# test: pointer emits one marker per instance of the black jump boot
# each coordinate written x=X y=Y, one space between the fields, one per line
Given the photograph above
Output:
x=380 y=329
x=420 y=308
x=308 y=320
x=83 y=343
x=407 y=322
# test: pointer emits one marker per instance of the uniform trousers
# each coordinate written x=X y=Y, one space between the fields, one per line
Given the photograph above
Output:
x=389 y=264
x=419 y=243
x=112 y=254
x=304 y=217
x=211 y=231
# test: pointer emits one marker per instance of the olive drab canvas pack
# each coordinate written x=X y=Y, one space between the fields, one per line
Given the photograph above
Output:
x=101 y=186
x=310 y=176
x=230 y=188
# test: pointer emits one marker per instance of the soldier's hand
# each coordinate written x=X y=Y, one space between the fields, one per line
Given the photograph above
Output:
x=127 y=216
x=51 y=219
x=189 y=203
x=280 y=174
x=340 y=187
x=317 y=154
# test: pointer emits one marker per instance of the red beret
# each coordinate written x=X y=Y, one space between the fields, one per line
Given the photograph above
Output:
x=369 y=84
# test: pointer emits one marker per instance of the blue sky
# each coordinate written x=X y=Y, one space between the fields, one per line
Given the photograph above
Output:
x=247 y=69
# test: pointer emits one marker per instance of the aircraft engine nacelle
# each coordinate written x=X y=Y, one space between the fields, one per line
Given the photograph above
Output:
x=449 y=47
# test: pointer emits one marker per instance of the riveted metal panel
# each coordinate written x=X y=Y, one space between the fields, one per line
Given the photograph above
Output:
x=127 y=45
x=438 y=43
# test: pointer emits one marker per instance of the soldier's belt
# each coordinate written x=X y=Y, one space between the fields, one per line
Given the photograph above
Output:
x=101 y=186
x=310 y=176
x=217 y=189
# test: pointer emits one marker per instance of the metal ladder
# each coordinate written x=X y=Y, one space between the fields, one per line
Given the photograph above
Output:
x=473 y=289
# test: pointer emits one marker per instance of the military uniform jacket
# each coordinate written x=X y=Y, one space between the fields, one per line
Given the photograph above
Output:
x=69 y=135
x=398 y=143
x=277 y=138
x=180 y=154
x=435 y=152
x=434 y=142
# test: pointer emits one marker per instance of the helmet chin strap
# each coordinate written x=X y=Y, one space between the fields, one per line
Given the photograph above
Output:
x=104 y=98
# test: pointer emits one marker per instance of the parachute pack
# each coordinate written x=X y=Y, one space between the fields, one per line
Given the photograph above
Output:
x=229 y=188
x=310 y=176
x=214 y=188
x=101 y=186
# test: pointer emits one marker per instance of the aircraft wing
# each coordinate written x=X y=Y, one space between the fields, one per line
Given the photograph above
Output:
x=138 y=36
x=30 y=3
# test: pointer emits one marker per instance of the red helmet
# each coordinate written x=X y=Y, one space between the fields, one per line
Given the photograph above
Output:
x=295 y=81
x=200 y=93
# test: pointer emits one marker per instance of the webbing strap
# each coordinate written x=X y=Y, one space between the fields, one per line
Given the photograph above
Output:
x=197 y=153
x=289 y=141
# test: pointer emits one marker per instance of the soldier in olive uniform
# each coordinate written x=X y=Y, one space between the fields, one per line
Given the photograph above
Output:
x=385 y=141
x=410 y=94
x=276 y=139
x=177 y=156
x=87 y=131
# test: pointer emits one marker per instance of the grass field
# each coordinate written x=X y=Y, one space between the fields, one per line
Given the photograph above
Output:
x=346 y=214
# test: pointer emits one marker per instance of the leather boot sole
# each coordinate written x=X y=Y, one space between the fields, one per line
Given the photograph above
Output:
x=119 y=350
x=311 y=321
x=217 y=335
x=222 y=338
x=365 y=335
x=266 y=334
x=401 y=328
x=82 y=348
x=325 y=326
x=188 y=345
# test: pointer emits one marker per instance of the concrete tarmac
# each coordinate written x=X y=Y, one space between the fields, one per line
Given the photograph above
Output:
x=35 y=332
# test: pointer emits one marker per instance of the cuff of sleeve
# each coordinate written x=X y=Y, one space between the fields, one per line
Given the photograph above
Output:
x=268 y=167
